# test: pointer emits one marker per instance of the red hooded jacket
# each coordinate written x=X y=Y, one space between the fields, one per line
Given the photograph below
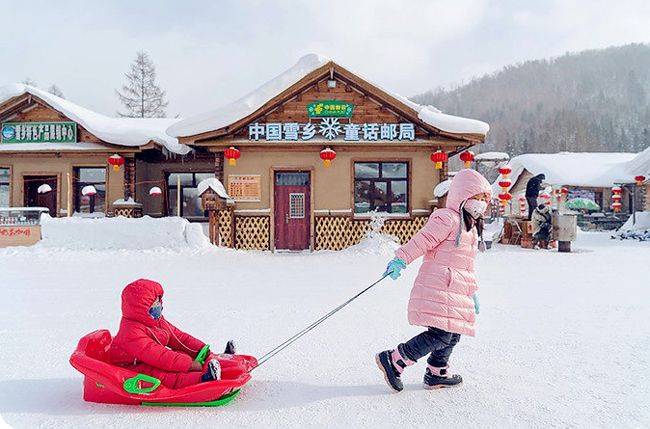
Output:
x=143 y=340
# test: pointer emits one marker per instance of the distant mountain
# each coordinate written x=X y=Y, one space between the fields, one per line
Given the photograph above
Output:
x=596 y=100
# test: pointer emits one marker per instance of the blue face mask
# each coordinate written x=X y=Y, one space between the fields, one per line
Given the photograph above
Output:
x=156 y=312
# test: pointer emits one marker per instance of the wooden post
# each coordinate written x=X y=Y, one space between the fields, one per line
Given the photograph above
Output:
x=69 y=194
x=233 y=226
x=178 y=195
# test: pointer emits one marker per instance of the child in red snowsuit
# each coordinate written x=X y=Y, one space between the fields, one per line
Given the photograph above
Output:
x=149 y=344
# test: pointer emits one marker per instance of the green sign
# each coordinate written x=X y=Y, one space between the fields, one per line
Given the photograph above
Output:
x=330 y=108
x=39 y=132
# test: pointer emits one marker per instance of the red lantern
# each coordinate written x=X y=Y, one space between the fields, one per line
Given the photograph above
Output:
x=504 y=171
x=439 y=157
x=639 y=180
x=616 y=206
x=467 y=157
x=232 y=154
x=327 y=155
x=116 y=161
x=505 y=184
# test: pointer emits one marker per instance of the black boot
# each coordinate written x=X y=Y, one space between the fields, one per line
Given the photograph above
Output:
x=391 y=374
x=230 y=348
x=437 y=378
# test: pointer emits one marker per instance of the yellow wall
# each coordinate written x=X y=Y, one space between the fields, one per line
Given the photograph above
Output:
x=23 y=165
x=333 y=186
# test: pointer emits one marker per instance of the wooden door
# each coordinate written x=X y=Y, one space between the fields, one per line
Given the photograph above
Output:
x=48 y=199
x=291 y=193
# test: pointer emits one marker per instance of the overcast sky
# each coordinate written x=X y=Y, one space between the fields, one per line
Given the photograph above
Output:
x=208 y=53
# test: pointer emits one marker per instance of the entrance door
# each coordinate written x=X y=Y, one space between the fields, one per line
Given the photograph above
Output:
x=292 y=210
x=47 y=199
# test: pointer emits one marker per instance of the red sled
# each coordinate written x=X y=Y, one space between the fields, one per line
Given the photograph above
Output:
x=110 y=384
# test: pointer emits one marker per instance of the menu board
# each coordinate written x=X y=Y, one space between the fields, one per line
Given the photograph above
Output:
x=244 y=187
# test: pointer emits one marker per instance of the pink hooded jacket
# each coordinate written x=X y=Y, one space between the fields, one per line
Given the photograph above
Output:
x=442 y=294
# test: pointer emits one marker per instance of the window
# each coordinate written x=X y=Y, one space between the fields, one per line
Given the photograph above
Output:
x=87 y=176
x=190 y=200
x=381 y=186
x=5 y=180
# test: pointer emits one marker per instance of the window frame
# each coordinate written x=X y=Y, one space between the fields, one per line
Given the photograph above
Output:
x=408 y=181
x=168 y=192
x=10 y=183
x=78 y=186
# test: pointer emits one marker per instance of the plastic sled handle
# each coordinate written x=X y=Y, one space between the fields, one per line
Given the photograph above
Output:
x=203 y=354
x=132 y=385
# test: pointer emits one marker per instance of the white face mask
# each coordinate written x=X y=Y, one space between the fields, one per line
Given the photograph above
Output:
x=475 y=208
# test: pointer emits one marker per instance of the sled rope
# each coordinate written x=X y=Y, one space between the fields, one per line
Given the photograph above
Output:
x=299 y=334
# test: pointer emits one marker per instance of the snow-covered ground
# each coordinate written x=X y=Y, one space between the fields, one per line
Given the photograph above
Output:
x=563 y=341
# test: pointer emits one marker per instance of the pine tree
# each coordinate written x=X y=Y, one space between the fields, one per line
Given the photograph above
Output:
x=141 y=95
x=54 y=90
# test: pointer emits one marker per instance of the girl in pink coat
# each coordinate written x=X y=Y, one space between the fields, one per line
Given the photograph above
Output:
x=443 y=298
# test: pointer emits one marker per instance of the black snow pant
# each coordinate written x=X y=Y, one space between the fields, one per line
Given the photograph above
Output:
x=435 y=341
x=532 y=203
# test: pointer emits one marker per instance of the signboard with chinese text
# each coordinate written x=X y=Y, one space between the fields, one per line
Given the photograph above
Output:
x=245 y=187
x=39 y=132
x=330 y=108
x=331 y=129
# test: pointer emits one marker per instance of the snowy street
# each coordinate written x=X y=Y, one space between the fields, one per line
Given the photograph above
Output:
x=563 y=339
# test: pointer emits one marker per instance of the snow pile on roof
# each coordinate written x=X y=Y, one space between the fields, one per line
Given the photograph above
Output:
x=249 y=103
x=442 y=188
x=78 y=233
x=592 y=169
x=452 y=124
x=214 y=184
x=132 y=132
x=239 y=109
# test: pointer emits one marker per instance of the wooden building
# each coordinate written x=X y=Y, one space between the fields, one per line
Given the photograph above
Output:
x=52 y=149
x=268 y=146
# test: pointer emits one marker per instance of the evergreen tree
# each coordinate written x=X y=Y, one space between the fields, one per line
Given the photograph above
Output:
x=141 y=95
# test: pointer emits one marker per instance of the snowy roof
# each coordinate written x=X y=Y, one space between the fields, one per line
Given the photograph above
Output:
x=248 y=104
x=492 y=156
x=132 y=132
x=590 y=169
x=214 y=184
x=641 y=163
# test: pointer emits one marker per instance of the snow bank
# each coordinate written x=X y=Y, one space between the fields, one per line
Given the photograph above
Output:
x=642 y=222
x=121 y=233
x=119 y=131
x=239 y=109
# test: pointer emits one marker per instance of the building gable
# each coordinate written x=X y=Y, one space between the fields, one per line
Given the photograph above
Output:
x=371 y=105
x=29 y=108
